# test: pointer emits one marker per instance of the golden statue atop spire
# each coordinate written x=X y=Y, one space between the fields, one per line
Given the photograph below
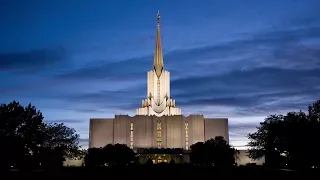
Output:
x=158 y=18
x=158 y=58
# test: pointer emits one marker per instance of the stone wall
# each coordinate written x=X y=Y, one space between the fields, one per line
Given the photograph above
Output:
x=196 y=128
x=100 y=132
x=216 y=127
x=173 y=130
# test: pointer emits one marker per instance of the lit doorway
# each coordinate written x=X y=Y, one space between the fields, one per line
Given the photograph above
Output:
x=160 y=159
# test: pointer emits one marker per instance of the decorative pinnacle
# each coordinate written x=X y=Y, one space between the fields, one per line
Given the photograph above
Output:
x=158 y=58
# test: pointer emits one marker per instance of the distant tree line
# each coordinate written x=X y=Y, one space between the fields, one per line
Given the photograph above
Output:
x=289 y=140
x=28 y=142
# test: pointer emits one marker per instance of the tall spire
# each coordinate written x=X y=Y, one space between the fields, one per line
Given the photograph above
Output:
x=158 y=58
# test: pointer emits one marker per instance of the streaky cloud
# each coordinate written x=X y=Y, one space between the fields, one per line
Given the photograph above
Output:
x=34 y=60
x=65 y=121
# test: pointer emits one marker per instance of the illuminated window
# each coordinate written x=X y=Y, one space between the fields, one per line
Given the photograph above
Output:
x=159 y=134
x=187 y=135
x=158 y=88
x=131 y=135
x=131 y=126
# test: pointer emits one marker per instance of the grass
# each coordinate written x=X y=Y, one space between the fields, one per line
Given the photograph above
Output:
x=162 y=171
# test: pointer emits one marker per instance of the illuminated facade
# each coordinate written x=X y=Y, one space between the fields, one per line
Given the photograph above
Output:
x=158 y=102
x=158 y=124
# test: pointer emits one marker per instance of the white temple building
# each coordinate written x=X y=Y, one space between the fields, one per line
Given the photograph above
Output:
x=158 y=124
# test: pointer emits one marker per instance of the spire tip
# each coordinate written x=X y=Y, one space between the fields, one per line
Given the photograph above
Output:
x=158 y=17
x=158 y=58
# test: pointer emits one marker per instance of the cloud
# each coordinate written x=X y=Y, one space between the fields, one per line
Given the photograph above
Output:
x=32 y=60
x=284 y=48
x=238 y=130
x=128 y=69
x=275 y=70
x=83 y=140
x=65 y=121
x=260 y=90
x=255 y=74
x=240 y=125
x=271 y=71
x=117 y=99
x=268 y=48
x=82 y=110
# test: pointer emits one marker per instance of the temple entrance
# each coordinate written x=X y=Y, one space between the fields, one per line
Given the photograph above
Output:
x=157 y=155
x=160 y=159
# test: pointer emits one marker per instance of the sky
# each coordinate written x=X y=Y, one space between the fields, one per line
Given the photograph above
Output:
x=81 y=59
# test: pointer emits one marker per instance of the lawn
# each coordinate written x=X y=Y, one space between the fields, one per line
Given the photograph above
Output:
x=163 y=171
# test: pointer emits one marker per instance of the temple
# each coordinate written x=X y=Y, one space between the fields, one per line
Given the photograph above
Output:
x=158 y=126
x=158 y=100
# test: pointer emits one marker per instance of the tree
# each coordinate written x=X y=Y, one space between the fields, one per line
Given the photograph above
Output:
x=215 y=152
x=59 y=142
x=172 y=161
x=81 y=154
x=120 y=154
x=94 y=157
x=314 y=132
x=28 y=139
x=288 y=140
x=314 y=111
x=111 y=155
x=20 y=131
x=263 y=142
x=197 y=153
x=149 y=162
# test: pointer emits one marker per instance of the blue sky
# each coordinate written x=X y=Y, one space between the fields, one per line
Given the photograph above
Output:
x=228 y=58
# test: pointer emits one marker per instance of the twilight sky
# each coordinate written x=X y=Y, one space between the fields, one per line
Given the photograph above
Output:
x=241 y=59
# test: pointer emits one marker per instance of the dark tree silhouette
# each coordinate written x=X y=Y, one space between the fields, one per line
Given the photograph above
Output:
x=172 y=161
x=94 y=157
x=81 y=154
x=111 y=155
x=263 y=142
x=149 y=162
x=20 y=131
x=59 y=142
x=288 y=140
x=215 y=152
x=118 y=154
x=28 y=139
x=197 y=153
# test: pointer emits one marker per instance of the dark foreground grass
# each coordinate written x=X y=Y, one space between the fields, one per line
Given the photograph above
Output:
x=166 y=171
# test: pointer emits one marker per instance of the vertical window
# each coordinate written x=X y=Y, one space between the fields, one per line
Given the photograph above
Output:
x=158 y=90
x=131 y=135
x=187 y=134
x=159 y=134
